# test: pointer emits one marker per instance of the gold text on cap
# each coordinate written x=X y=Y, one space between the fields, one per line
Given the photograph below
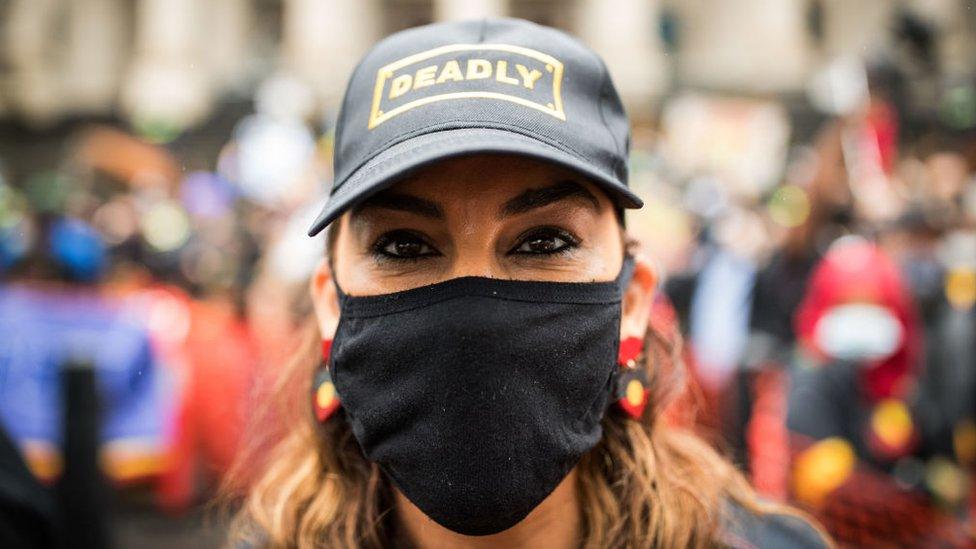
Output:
x=468 y=71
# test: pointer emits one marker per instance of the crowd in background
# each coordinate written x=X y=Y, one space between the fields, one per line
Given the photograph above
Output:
x=830 y=323
x=819 y=258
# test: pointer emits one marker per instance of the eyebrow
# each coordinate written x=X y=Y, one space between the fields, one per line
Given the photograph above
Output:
x=537 y=198
x=529 y=200
x=402 y=202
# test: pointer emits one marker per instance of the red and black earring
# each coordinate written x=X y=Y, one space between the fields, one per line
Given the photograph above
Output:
x=632 y=389
x=325 y=401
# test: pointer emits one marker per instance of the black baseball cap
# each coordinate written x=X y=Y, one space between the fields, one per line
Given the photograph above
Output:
x=491 y=86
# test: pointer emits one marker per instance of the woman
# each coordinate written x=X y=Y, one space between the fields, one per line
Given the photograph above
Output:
x=488 y=376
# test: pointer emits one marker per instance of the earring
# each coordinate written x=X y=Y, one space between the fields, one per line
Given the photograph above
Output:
x=325 y=401
x=632 y=387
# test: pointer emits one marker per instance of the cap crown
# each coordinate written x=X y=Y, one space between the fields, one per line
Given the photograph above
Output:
x=506 y=74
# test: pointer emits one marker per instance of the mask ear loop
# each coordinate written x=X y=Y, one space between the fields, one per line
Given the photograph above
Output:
x=626 y=273
x=325 y=400
x=335 y=282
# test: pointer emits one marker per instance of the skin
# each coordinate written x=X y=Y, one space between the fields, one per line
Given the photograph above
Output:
x=533 y=221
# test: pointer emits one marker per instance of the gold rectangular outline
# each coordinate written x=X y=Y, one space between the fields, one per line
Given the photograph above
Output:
x=377 y=117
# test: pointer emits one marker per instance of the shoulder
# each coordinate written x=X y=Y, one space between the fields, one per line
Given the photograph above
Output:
x=746 y=530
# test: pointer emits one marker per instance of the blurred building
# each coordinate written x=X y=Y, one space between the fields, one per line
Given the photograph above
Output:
x=171 y=61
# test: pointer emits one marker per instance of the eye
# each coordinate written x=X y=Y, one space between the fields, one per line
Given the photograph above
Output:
x=545 y=241
x=403 y=245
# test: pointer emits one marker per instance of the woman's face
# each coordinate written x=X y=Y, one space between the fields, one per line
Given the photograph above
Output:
x=489 y=215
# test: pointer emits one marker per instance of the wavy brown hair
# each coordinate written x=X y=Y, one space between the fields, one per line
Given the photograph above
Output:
x=648 y=483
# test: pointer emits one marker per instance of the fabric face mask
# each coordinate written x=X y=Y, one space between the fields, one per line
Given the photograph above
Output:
x=477 y=396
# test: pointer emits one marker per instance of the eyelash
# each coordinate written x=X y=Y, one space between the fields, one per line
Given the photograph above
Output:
x=570 y=240
x=378 y=248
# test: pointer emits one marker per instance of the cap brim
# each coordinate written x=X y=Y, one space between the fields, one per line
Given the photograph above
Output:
x=399 y=160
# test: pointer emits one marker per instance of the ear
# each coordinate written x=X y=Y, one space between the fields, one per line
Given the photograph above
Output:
x=325 y=299
x=637 y=299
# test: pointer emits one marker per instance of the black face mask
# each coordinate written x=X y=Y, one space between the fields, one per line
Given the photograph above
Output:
x=477 y=396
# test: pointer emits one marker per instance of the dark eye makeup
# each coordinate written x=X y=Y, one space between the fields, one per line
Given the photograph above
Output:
x=405 y=245
x=544 y=241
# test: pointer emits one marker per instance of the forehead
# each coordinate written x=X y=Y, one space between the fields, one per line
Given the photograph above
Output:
x=487 y=177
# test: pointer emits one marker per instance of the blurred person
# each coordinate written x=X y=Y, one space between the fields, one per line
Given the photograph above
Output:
x=482 y=369
x=181 y=271
x=912 y=241
x=782 y=266
x=715 y=297
x=854 y=409
x=948 y=174
x=170 y=265
x=941 y=185
x=278 y=301
x=716 y=293
x=759 y=390
x=947 y=387
x=211 y=412
x=780 y=281
x=182 y=256
x=81 y=393
x=53 y=312
x=936 y=253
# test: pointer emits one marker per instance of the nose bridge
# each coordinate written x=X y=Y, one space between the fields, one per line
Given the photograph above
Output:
x=475 y=257
x=474 y=245
x=482 y=269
